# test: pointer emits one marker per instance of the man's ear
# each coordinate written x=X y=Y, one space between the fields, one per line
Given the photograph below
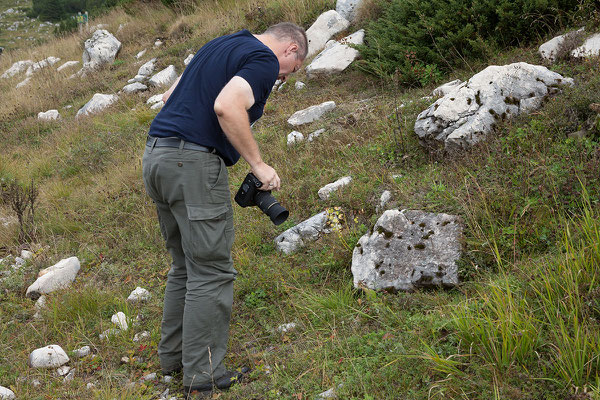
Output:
x=292 y=48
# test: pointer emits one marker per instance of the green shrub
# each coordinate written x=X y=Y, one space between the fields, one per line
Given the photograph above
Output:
x=417 y=38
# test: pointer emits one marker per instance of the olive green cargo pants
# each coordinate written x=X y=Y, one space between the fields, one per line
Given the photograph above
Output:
x=191 y=192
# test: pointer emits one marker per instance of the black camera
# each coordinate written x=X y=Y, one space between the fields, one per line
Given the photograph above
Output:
x=249 y=195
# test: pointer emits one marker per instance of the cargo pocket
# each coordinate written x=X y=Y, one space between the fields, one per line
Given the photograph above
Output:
x=208 y=238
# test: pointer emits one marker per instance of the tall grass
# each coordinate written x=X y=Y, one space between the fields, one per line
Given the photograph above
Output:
x=550 y=315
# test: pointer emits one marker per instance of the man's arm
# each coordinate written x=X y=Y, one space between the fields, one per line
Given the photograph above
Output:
x=231 y=107
x=167 y=94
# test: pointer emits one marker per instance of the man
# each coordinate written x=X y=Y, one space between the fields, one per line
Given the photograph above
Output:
x=203 y=127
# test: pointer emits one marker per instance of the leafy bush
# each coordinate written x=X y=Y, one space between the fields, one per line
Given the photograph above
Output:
x=418 y=38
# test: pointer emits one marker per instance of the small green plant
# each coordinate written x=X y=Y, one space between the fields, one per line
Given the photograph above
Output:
x=22 y=200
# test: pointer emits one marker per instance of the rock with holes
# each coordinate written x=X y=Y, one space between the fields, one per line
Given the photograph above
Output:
x=6 y=393
x=589 y=48
x=467 y=114
x=166 y=77
x=446 y=88
x=409 y=249
x=16 y=68
x=311 y=113
x=327 y=24
x=97 y=104
x=549 y=50
x=337 y=55
x=307 y=231
x=347 y=8
x=101 y=49
x=52 y=356
x=58 y=276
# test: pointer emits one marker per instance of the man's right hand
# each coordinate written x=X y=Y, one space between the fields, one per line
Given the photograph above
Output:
x=267 y=176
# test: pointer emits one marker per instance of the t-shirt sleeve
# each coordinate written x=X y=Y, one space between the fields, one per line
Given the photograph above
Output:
x=260 y=71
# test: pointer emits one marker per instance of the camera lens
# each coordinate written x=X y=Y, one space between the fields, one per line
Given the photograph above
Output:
x=270 y=206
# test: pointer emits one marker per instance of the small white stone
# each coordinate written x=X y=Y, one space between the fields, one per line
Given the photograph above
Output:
x=25 y=254
x=154 y=99
x=167 y=379
x=90 y=386
x=6 y=393
x=188 y=59
x=315 y=134
x=158 y=43
x=386 y=196
x=141 y=336
x=50 y=115
x=19 y=261
x=82 y=351
x=149 y=377
x=69 y=376
x=62 y=371
x=135 y=87
x=311 y=113
x=22 y=83
x=286 y=327
x=141 y=54
x=280 y=88
x=120 y=320
x=299 y=85
x=139 y=295
x=124 y=360
x=294 y=137
x=34 y=383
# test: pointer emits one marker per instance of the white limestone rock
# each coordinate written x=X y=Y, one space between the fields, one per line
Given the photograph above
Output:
x=41 y=64
x=135 y=87
x=157 y=106
x=295 y=237
x=337 y=56
x=445 y=88
x=24 y=82
x=6 y=394
x=82 y=352
x=294 y=137
x=154 y=99
x=40 y=305
x=70 y=376
x=147 y=68
x=470 y=112
x=97 y=104
x=50 y=115
x=141 y=336
x=139 y=295
x=384 y=200
x=311 y=113
x=120 y=320
x=589 y=48
x=327 y=24
x=101 y=49
x=141 y=54
x=347 y=8
x=26 y=254
x=409 y=249
x=549 y=50
x=285 y=328
x=52 y=356
x=325 y=191
x=312 y=136
x=166 y=77
x=149 y=377
x=58 y=276
x=64 y=370
x=188 y=60
x=299 y=85
x=158 y=43
x=16 y=68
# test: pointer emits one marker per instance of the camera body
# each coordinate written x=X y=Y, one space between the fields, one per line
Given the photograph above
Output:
x=248 y=195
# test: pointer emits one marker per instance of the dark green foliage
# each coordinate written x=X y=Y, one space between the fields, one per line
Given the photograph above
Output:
x=64 y=10
x=419 y=38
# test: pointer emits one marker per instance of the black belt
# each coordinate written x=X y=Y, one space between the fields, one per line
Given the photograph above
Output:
x=153 y=141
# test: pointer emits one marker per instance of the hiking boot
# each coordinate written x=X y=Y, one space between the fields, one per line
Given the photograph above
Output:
x=223 y=383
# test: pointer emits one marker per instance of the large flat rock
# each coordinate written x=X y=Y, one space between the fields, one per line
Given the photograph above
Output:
x=409 y=249
x=327 y=24
x=337 y=55
x=311 y=113
x=58 y=276
x=468 y=113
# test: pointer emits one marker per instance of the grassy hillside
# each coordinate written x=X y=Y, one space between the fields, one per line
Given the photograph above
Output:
x=529 y=197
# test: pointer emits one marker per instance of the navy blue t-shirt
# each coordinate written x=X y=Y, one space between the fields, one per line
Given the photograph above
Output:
x=189 y=112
